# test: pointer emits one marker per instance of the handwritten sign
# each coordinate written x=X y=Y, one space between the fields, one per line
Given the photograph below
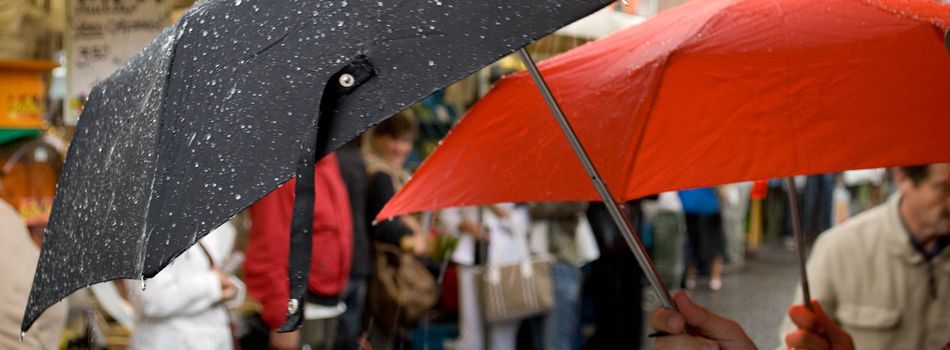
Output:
x=102 y=36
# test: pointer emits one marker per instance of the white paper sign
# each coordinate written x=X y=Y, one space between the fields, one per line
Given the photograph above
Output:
x=102 y=36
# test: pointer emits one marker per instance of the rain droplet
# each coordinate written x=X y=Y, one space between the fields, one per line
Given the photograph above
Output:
x=431 y=63
x=237 y=196
x=238 y=2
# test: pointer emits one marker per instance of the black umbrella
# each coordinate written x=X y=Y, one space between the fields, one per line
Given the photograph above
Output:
x=236 y=98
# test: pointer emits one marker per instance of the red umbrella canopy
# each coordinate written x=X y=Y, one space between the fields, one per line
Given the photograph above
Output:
x=707 y=93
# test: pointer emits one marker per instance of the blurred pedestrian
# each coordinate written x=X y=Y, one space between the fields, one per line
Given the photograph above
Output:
x=884 y=274
x=353 y=171
x=614 y=283
x=387 y=147
x=269 y=248
x=18 y=257
x=479 y=227
x=734 y=199
x=185 y=306
x=385 y=150
x=706 y=237
x=554 y=232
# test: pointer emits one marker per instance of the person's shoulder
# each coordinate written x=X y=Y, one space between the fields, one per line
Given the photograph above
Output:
x=378 y=180
x=854 y=232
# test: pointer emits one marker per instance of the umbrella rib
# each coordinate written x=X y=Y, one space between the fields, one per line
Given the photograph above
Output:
x=659 y=86
x=647 y=117
x=146 y=234
x=789 y=112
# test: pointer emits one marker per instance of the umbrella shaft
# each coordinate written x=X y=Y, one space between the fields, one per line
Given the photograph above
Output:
x=619 y=219
x=799 y=237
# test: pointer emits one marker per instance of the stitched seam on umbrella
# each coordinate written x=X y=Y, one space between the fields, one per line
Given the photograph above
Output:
x=792 y=118
x=666 y=61
x=146 y=235
x=648 y=116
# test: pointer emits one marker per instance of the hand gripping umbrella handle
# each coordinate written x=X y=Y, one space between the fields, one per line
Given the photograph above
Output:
x=639 y=251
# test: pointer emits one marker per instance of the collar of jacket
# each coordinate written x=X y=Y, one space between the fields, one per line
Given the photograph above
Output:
x=897 y=237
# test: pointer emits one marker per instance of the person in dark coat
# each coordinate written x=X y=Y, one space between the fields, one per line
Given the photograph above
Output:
x=353 y=171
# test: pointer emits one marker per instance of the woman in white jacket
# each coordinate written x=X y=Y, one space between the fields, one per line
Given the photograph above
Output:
x=185 y=305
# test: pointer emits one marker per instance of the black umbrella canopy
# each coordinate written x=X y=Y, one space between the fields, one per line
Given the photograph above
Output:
x=233 y=100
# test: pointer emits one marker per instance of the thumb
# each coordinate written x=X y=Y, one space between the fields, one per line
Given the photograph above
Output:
x=707 y=323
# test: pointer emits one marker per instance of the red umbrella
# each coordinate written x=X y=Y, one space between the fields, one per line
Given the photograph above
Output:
x=707 y=93
x=711 y=92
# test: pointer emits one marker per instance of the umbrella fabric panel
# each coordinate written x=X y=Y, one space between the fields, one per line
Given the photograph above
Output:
x=707 y=93
x=99 y=242
x=814 y=102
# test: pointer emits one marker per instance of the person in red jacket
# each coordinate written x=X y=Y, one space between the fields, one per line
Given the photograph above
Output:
x=265 y=270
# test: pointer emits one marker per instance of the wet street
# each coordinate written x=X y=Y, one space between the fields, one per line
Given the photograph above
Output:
x=756 y=296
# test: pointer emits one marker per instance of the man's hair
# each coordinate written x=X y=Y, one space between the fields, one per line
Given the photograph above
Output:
x=397 y=126
x=916 y=173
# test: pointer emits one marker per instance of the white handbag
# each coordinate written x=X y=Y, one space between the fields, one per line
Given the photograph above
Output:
x=515 y=290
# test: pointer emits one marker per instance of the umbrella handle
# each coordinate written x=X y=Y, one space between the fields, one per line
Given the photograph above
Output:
x=622 y=222
x=799 y=238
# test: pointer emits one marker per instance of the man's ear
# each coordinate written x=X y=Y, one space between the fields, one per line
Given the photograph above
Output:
x=901 y=179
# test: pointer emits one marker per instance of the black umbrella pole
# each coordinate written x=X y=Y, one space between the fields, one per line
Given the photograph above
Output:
x=646 y=264
x=799 y=238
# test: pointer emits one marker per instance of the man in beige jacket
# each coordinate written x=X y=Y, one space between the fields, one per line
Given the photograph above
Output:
x=884 y=275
